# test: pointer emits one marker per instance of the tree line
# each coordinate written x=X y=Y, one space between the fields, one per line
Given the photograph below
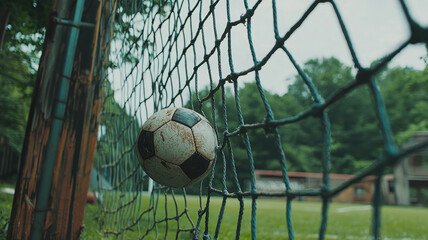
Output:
x=356 y=140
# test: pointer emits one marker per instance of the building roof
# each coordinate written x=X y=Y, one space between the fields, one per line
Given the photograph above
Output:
x=275 y=173
x=418 y=137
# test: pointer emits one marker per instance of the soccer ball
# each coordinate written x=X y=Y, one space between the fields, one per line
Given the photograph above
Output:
x=176 y=147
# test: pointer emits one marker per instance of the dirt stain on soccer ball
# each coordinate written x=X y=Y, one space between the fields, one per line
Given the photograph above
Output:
x=163 y=138
x=165 y=165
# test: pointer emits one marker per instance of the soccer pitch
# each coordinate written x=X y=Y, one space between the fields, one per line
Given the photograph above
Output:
x=345 y=221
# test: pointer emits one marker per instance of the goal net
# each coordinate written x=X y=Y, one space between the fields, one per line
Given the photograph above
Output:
x=233 y=61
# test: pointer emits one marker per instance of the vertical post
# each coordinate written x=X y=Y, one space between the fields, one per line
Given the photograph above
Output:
x=55 y=133
x=150 y=187
x=57 y=155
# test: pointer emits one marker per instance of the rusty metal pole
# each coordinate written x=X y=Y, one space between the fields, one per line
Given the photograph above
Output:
x=56 y=128
x=51 y=196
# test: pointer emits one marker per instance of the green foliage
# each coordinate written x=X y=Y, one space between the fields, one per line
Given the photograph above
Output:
x=4 y=224
x=92 y=223
x=15 y=100
x=406 y=100
x=5 y=208
x=18 y=62
x=116 y=143
x=25 y=29
x=356 y=138
x=126 y=28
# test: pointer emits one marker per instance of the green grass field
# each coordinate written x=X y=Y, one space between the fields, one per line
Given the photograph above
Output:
x=346 y=221
x=5 y=208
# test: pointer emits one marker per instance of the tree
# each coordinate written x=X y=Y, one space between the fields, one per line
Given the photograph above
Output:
x=25 y=29
x=356 y=138
x=21 y=36
x=406 y=99
x=14 y=102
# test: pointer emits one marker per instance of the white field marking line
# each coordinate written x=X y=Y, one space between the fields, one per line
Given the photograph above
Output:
x=298 y=208
x=333 y=236
x=352 y=209
x=318 y=209
x=8 y=190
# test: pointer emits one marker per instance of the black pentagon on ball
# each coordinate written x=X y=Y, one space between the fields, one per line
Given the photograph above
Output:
x=146 y=145
x=185 y=117
x=195 y=166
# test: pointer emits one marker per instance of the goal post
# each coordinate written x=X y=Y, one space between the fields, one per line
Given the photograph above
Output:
x=62 y=129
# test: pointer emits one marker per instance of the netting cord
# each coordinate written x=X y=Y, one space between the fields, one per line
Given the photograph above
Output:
x=220 y=218
x=377 y=203
x=244 y=135
x=326 y=171
x=163 y=64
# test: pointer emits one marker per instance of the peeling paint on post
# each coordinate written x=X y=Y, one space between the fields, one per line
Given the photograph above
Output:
x=76 y=146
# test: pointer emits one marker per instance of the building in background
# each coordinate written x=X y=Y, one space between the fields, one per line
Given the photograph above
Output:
x=407 y=185
x=410 y=179
x=272 y=181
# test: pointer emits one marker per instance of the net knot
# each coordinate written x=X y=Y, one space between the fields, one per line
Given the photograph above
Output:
x=324 y=192
x=242 y=129
x=317 y=109
x=391 y=151
x=419 y=34
x=279 y=42
x=231 y=78
x=201 y=212
x=257 y=66
x=212 y=7
x=269 y=128
x=363 y=75
x=247 y=15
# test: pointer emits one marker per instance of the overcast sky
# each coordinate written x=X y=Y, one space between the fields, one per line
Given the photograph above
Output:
x=376 y=28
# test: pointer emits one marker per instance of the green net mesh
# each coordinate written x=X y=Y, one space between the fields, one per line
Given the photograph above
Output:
x=185 y=53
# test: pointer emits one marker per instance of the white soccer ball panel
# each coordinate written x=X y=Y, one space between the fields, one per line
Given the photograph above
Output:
x=165 y=173
x=205 y=139
x=158 y=119
x=174 y=142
